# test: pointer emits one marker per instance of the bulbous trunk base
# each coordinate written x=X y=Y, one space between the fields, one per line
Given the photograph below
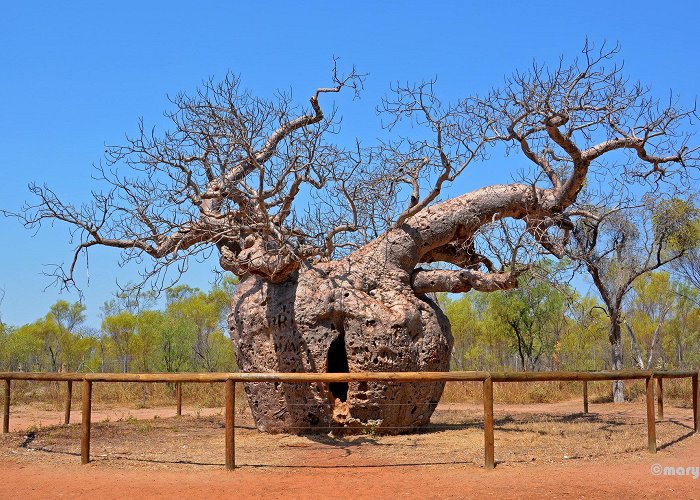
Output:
x=323 y=320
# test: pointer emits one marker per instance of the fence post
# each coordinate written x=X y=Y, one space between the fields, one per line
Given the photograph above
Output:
x=6 y=408
x=585 y=396
x=489 y=461
x=651 y=415
x=178 y=392
x=69 y=396
x=660 y=397
x=87 y=410
x=230 y=424
x=696 y=397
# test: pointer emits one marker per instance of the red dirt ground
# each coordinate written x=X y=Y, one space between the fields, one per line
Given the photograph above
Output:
x=45 y=475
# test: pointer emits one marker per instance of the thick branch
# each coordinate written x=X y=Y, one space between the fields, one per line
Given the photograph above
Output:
x=445 y=280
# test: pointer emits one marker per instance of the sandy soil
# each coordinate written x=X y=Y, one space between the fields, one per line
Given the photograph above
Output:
x=544 y=450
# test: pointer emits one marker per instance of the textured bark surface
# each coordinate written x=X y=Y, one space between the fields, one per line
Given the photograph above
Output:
x=334 y=317
x=361 y=313
x=615 y=336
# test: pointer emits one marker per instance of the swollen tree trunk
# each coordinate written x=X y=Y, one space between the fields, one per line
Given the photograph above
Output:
x=366 y=312
x=353 y=315
x=339 y=318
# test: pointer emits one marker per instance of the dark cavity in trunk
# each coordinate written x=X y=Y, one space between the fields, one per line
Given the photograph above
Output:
x=338 y=363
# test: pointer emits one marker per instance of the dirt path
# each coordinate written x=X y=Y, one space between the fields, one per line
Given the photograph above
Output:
x=612 y=462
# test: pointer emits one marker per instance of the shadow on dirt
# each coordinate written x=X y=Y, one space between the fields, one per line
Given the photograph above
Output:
x=345 y=445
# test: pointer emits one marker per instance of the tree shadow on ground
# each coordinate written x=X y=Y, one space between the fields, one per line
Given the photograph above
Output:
x=347 y=443
x=161 y=461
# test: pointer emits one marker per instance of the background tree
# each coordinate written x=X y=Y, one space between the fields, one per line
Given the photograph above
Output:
x=619 y=247
x=149 y=325
x=534 y=315
x=651 y=307
x=24 y=351
x=584 y=345
x=338 y=278
x=687 y=268
x=121 y=328
x=471 y=346
x=58 y=332
x=681 y=345
x=204 y=314
x=483 y=341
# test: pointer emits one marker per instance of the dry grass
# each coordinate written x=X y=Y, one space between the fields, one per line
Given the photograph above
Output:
x=51 y=395
x=676 y=391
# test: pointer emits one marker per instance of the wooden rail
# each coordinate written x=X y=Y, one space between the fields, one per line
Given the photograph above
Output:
x=230 y=379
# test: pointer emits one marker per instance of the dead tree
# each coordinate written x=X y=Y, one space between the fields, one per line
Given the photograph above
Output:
x=338 y=249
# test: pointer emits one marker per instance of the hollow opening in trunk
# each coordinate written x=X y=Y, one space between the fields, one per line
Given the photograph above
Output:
x=338 y=363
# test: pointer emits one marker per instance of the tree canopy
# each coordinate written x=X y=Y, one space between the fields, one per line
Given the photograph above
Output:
x=265 y=182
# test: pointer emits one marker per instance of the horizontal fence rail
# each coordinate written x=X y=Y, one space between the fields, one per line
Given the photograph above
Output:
x=472 y=376
x=230 y=379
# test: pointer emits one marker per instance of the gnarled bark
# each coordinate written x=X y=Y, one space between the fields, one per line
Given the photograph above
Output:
x=342 y=316
x=365 y=312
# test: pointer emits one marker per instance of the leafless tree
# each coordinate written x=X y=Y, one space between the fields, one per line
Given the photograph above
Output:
x=339 y=246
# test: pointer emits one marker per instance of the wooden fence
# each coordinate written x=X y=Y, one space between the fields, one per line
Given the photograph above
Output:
x=230 y=379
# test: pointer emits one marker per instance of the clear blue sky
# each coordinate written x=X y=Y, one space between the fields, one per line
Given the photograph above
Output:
x=75 y=76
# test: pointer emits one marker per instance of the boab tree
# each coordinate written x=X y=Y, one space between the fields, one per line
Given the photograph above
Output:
x=338 y=249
